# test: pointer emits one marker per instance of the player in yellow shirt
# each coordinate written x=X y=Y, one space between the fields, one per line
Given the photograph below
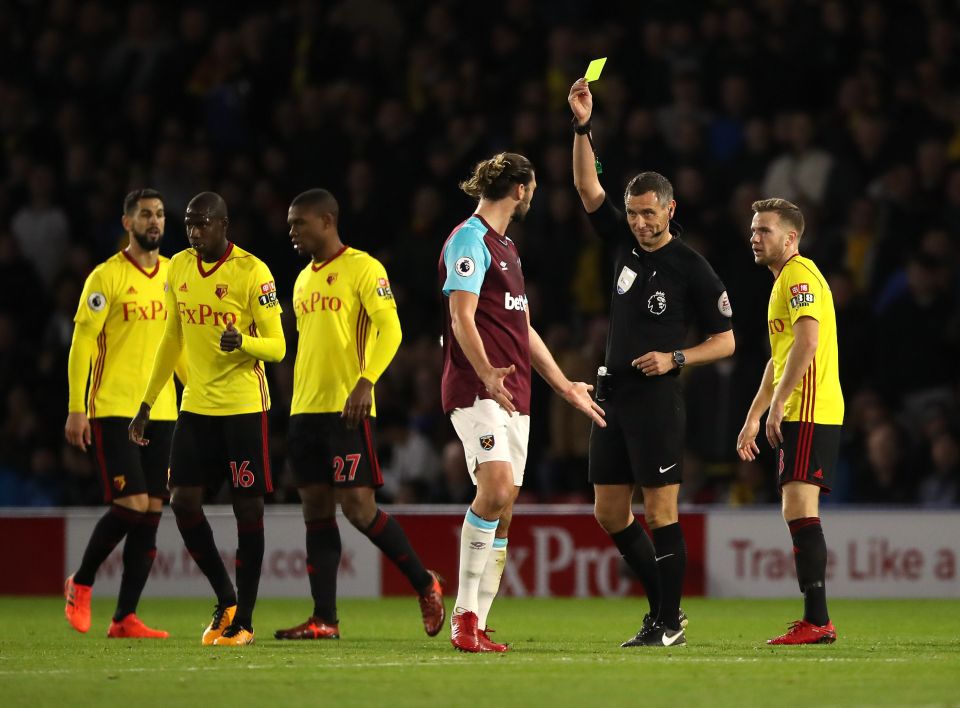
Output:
x=349 y=333
x=119 y=322
x=225 y=319
x=801 y=388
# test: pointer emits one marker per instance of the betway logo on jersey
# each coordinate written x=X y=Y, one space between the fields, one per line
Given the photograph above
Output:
x=316 y=301
x=518 y=303
x=205 y=315
x=153 y=310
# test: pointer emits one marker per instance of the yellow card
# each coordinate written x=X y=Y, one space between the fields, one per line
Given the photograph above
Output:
x=593 y=71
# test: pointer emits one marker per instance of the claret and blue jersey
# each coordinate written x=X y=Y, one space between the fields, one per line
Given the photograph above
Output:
x=477 y=259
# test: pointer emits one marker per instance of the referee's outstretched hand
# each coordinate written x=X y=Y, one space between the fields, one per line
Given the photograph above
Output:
x=496 y=387
x=578 y=396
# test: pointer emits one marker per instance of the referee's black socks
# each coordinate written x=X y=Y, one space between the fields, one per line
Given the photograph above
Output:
x=637 y=550
x=671 y=560
x=810 y=556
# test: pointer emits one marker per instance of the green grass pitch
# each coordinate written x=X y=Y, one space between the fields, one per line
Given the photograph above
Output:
x=564 y=653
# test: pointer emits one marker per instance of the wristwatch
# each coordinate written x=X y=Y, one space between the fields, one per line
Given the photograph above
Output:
x=679 y=359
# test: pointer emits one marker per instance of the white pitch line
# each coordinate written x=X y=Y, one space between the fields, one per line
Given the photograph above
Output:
x=456 y=661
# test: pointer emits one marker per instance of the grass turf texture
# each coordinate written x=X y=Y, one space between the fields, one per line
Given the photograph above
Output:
x=565 y=653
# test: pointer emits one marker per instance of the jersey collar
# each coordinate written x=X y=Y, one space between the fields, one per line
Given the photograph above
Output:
x=223 y=258
x=156 y=268
x=785 y=265
x=320 y=266
x=500 y=237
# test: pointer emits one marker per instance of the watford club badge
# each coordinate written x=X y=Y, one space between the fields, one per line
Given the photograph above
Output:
x=119 y=482
x=487 y=442
x=221 y=291
x=332 y=278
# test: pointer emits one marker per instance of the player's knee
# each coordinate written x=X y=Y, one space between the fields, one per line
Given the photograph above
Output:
x=359 y=510
x=184 y=504
x=135 y=502
x=611 y=520
x=248 y=509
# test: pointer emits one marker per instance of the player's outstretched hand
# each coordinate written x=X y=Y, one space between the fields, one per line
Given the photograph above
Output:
x=581 y=101
x=654 y=363
x=231 y=338
x=578 y=396
x=496 y=387
x=77 y=430
x=747 y=448
x=138 y=425
x=358 y=404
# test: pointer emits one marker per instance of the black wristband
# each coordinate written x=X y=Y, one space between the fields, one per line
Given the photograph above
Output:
x=581 y=129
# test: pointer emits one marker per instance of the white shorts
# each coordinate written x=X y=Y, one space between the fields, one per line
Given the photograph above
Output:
x=490 y=434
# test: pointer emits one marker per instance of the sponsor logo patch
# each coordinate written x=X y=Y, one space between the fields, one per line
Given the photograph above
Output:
x=465 y=267
x=96 y=301
x=723 y=304
x=268 y=300
x=657 y=303
x=487 y=442
x=383 y=288
x=518 y=303
x=801 y=295
x=625 y=281
x=268 y=287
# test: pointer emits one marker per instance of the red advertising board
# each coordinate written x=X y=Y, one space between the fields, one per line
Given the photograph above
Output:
x=551 y=553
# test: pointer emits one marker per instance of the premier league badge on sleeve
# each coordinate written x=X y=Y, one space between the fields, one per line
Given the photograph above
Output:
x=625 y=281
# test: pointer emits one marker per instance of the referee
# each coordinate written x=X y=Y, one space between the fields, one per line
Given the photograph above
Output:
x=662 y=287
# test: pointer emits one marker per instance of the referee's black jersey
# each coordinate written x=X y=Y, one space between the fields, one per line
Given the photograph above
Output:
x=656 y=296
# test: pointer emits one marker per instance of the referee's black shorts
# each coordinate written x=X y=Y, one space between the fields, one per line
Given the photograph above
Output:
x=643 y=441
x=126 y=469
x=208 y=449
x=808 y=454
x=323 y=450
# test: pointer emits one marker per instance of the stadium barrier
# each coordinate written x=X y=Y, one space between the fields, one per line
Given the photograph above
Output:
x=554 y=551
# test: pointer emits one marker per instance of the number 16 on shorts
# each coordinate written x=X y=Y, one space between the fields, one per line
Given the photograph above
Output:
x=242 y=475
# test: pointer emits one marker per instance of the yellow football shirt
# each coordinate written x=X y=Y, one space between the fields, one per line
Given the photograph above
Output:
x=123 y=307
x=802 y=291
x=203 y=298
x=334 y=301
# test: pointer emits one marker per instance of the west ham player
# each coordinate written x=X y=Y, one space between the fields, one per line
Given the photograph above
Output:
x=349 y=334
x=489 y=347
x=225 y=319
x=801 y=389
x=119 y=322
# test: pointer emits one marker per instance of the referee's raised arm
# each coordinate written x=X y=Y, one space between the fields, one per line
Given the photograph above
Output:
x=584 y=163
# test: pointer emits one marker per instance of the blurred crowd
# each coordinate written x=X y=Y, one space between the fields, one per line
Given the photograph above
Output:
x=849 y=108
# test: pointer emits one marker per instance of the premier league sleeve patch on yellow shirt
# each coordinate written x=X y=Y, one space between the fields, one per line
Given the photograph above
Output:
x=801 y=295
x=383 y=289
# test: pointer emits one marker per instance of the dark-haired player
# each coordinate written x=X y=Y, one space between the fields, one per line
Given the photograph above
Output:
x=349 y=332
